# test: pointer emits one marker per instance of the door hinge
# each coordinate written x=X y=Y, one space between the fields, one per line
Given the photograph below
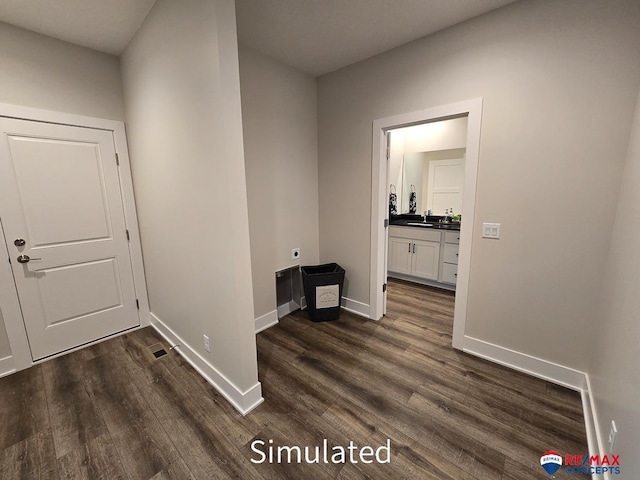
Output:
x=384 y=287
x=117 y=160
x=128 y=237
x=386 y=222
x=137 y=304
x=9 y=260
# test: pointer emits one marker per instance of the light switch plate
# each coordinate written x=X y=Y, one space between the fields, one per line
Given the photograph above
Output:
x=491 y=230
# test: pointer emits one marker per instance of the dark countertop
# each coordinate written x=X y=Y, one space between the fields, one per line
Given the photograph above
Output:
x=433 y=222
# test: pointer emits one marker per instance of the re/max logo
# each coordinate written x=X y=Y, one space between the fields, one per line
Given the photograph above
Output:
x=604 y=460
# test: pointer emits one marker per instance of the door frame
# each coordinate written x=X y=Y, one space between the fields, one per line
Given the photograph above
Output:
x=472 y=109
x=9 y=304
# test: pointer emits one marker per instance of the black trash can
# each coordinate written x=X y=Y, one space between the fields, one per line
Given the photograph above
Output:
x=323 y=291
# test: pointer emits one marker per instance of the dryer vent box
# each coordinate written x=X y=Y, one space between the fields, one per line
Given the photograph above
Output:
x=288 y=290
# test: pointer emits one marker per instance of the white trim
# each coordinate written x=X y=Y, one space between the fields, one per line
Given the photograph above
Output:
x=7 y=366
x=9 y=305
x=244 y=402
x=287 y=308
x=423 y=281
x=11 y=311
x=267 y=320
x=358 y=308
x=353 y=306
x=379 y=194
x=552 y=372
x=131 y=219
x=592 y=426
x=61 y=118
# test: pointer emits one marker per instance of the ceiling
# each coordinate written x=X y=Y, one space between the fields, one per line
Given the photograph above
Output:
x=315 y=36
x=104 y=25
x=320 y=36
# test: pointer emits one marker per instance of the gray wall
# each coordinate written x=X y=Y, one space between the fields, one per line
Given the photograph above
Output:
x=615 y=343
x=183 y=116
x=559 y=82
x=41 y=72
x=279 y=118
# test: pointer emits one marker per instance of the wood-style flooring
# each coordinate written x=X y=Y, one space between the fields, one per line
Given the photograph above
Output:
x=112 y=411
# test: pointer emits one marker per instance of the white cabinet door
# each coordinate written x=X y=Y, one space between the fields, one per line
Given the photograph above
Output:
x=399 y=255
x=450 y=253
x=425 y=260
x=62 y=214
x=449 y=273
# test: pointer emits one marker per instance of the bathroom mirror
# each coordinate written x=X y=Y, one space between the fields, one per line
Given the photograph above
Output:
x=432 y=181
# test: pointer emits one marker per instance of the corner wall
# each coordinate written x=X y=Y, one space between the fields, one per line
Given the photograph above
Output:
x=559 y=82
x=615 y=344
x=279 y=117
x=182 y=92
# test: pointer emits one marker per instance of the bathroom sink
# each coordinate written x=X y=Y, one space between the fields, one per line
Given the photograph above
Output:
x=416 y=224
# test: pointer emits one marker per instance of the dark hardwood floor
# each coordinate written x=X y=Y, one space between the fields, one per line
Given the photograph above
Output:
x=112 y=411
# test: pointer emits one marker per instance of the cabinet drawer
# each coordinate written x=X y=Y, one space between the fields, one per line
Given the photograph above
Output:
x=449 y=272
x=451 y=237
x=416 y=233
x=450 y=253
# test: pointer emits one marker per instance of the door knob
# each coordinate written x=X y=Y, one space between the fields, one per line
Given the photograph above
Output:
x=26 y=259
x=19 y=242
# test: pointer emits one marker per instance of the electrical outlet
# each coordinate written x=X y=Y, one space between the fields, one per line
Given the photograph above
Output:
x=613 y=431
x=295 y=254
x=206 y=343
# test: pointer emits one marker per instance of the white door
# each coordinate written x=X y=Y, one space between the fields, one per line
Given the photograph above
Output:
x=400 y=255
x=60 y=196
x=446 y=181
x=426 y=259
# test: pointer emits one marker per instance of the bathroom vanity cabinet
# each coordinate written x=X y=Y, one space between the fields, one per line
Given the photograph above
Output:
x=423 y=255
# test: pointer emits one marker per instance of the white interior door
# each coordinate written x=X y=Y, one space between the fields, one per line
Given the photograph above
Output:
x=446 y=181
x=60 y=196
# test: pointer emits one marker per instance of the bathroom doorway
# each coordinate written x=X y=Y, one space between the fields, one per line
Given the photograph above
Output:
x=381 y=175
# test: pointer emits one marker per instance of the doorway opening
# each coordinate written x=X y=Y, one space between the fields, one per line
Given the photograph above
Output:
x=380 y=188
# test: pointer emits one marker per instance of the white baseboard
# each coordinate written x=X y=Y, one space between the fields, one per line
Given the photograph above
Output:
x=267 y=320
x=592 y=426
x=7 y=366
x=422 y=281
x=353 y=306
x=244 y=402
x=287 y=308
x=552 y=372
x=559 y=374
x=356 y=307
